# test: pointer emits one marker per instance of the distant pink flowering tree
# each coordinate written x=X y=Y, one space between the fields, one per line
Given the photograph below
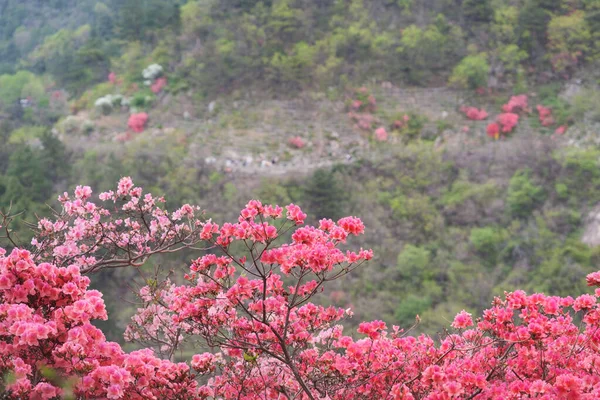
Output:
x=158 y=85
x=137 y=122
x=507 y=122
x=296 y=142
x=545 y=115
x=381 y=134
x=516 y=104
x=474 y=114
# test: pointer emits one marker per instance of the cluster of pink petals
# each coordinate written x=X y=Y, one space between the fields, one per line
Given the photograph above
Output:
x=516 y=104
x=545 y=115
x=561 y=130
x=137 y=122
x=158 y=85
x=253 y=309
x=381 y=134
x=296 y=142
x=474 y=114
x=365 y=105
x=507 y=122
x=45 y=315
x=363 y=121
x=399 y=124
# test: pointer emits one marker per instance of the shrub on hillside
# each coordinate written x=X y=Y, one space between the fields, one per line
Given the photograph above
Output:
x=523 y=195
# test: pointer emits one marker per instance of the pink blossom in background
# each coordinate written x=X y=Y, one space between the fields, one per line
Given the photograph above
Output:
x=493 y=130
x=363 y=121
x=561 y=130
x=296 y=142
x=356 y=105
x=545 y=115
x=381 y=134
x=474 y=114
x=112 y=78
x=516 y=104
x=507 y=121
x=158 y=85
x=137 y=122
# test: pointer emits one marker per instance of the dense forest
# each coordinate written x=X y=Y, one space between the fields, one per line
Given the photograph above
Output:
x=203 y=100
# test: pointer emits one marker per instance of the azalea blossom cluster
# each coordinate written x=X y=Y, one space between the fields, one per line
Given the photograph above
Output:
x=158 y=85
x=49 y=348
x=296 y=142
x=362 y=106
x=362 y=121
x=363 y=101
x=474 y=114
x=250 y=315
x=130 y=227
x=381 y=134
x=137 y=122
x=516 y=104
x=547 y=120
x=508 y=120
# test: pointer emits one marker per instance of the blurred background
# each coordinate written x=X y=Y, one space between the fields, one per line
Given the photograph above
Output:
x=463 y=132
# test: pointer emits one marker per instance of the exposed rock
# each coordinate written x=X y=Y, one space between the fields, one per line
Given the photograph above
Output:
x=591 y=233
x=571 y=90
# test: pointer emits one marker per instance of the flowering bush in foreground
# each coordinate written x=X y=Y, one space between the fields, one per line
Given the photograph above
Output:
x=262 y=337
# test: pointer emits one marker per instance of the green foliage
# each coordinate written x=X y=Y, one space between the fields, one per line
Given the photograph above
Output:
x=477 y=11
x=471 y=72
x=413 y=264
x=568 y=40
x=26 y=133
x=19 y=86
x=581 y=175
x=523 y=195
x=410 y=307
x=295 y=67
x=137 y=19
x=325 y=196
x=463 y=191
x=487 y=242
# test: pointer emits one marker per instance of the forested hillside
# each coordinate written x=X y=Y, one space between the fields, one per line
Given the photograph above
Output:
x=463 y=132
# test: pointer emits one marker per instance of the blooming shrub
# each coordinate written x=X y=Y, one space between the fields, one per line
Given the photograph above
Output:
x=112 y=78
x=493 y=130
x=545 y=115
x=104 y=104
x=158 y=85
x=296 y=142
x=137 y=122
x=363 y=121
x=516 y=104
x=474 y=114
x=152 y=72
x=561 y=130
x=401 y=123
x=363 y=101
x=381 y=134
x=507 y=122
x=267 y=340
